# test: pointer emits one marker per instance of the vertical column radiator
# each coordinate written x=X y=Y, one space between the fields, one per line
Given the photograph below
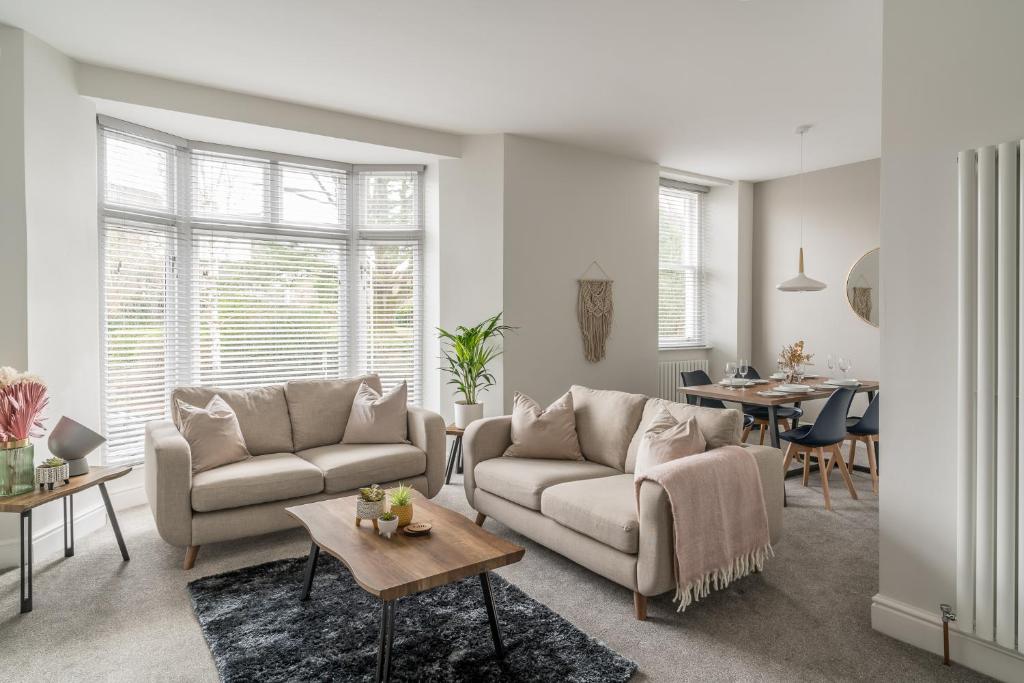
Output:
x=990 y=441
x=669 y=379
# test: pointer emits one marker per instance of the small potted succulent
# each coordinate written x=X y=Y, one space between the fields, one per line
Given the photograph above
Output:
x=51 y=471
x=370 y=504
x=386 y=523
x=401 y=503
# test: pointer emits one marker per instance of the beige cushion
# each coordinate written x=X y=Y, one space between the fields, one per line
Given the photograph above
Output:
x=718 y=426
x=549 y=433
x=522 y=480
x=213 y=435
x=377 y=418
x=667 y=439
x=319 y=408
x=606 y=421
x=603 y=509
x=348 y=466
x=276 y=476
x=262 y=414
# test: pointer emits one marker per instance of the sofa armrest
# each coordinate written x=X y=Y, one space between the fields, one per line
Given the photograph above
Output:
x=168 y=473
x=484 y=439
x=769 y=464
x=655 y=563
x=426 y=432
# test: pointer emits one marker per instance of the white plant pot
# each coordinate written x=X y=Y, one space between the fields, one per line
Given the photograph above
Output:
x=467 y=412
x=386 y=527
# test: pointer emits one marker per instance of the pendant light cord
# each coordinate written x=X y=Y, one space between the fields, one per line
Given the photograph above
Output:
x=802 y=132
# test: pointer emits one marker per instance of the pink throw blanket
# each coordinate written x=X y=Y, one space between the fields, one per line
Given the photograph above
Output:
x=719 y=519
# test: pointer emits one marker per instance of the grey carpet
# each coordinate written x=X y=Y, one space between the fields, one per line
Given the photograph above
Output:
x=806 y=618
x=259 y=630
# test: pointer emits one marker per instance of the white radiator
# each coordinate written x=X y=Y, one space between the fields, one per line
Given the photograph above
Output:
x=669 y=379
x=990 y=427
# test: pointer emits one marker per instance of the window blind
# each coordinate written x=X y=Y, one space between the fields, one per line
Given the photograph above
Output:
x=681 y=286
x=238 y=268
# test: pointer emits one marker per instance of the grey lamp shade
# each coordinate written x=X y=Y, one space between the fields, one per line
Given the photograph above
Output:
x=73 y=441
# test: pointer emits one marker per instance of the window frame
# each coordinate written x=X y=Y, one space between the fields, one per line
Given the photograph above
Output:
x=184 y=228
x=697 y=280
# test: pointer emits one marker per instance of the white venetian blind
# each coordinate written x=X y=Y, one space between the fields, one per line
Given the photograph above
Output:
x=681 y=289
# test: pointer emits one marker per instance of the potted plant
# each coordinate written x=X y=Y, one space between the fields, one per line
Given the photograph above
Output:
x=51 y=471
x=22 y=400
x=386 y=523
x=792 y=361
x=401 y=503
x=466 y=353
x=370 y=504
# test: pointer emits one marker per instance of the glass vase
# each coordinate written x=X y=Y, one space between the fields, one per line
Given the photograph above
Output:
x=17 y=467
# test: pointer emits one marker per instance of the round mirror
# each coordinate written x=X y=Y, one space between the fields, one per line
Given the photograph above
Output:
x=862 y=288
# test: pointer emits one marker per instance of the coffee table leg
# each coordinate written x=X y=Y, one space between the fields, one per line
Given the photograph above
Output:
x=387 y=640
x=492 y=615
x=307 y=585
x=113 y=522
x=69 y=526
x=26 y=561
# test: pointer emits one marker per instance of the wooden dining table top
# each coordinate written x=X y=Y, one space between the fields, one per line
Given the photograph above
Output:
x=750 y=396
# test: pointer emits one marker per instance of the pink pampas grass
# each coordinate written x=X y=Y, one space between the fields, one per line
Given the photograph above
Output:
x=22 y=400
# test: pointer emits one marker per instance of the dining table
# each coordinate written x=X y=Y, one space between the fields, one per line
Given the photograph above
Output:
x=751 y=396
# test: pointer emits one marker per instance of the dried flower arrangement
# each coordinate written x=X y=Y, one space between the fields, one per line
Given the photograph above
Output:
x=22 y=400
x=792 y=358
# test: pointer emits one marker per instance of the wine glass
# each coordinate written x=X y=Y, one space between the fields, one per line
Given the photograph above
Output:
x=743 y=367
x=730 y=371
x=830 y=363
x=844 y=365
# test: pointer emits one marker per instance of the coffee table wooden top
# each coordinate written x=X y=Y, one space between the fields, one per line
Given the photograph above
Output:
x=749 y=395
x=454 y=549
x=36 y=497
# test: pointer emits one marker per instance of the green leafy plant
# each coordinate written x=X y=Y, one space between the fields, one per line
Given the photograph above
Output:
x=387 y=516
x=372 y=494
x=467 y=351
x=401 y=496
x=54 y=462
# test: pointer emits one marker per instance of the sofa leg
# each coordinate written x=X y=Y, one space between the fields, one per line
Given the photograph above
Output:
x=190 y=556
x=480 y=517
x=640 y=606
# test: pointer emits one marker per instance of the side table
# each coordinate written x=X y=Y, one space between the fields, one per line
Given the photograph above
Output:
x=455 y=454
x=23 y=504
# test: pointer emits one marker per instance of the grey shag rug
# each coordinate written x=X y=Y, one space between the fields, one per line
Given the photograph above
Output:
x=258 y=630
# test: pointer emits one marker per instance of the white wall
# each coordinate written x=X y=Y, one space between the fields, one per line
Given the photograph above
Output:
x=13 y=241
x=951 y=80
x=841 y=223
x=728 y=252
x=564 y=207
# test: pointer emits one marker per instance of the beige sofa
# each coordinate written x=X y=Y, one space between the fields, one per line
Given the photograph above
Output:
x=293 y=432
x=587 y=510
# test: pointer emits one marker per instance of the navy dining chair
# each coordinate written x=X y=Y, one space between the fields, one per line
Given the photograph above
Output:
x=783 y=414
x=696 y=378
x=827 y=433
x=865 y=428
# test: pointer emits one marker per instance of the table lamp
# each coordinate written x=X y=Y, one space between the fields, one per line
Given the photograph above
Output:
x=73 y=441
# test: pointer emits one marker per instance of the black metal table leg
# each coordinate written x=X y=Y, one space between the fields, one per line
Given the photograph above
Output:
x=458 y=441
x=492 y=615
x=69 y=526
x=307 y=584
x=26 y=561
x=452 y=455
x=796 y=418
x=386 y=641
x=113 y=522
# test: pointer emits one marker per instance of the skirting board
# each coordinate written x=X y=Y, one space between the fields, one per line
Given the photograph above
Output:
x=924 y=630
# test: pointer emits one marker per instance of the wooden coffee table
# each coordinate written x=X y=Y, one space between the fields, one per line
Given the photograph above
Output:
x=455 y=549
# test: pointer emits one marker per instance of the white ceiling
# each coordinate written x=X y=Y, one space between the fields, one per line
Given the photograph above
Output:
x=711 y=86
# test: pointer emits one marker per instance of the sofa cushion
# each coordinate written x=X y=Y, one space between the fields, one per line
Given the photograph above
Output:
x=522 y=480
x=720 y=427
x=262 y=414
x=548 y=433
x=378 y=418
x=666 y=439
x=319 y=408
x=606 y=421
x=213 y=435
x=348 y=466
x=603 y=509
x=270 y=477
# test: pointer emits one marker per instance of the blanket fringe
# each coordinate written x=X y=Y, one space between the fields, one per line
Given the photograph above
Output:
x=720 y=578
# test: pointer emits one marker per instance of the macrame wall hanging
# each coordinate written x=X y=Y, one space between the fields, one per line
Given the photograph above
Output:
x=594 y=312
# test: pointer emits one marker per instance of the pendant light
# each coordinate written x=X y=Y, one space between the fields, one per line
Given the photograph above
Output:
x=801 y=283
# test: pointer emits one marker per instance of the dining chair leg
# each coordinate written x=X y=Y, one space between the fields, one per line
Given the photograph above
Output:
x=872 y=465
x=790 y=450
x=760 y=431
x=807 y=466
x=853 y=452
x=746 y=433
x=823 y=470
x=845 y=472
x=787 y=424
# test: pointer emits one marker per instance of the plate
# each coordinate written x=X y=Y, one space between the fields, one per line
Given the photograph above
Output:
x=794 y=388
x=736 y=383
x=771 y=393
x=778 y=375
x=850 y=382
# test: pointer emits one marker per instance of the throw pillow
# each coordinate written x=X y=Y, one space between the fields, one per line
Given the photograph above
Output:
x=377 y=418
x=549 y=433
x=213 y=434
x=668 y=439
